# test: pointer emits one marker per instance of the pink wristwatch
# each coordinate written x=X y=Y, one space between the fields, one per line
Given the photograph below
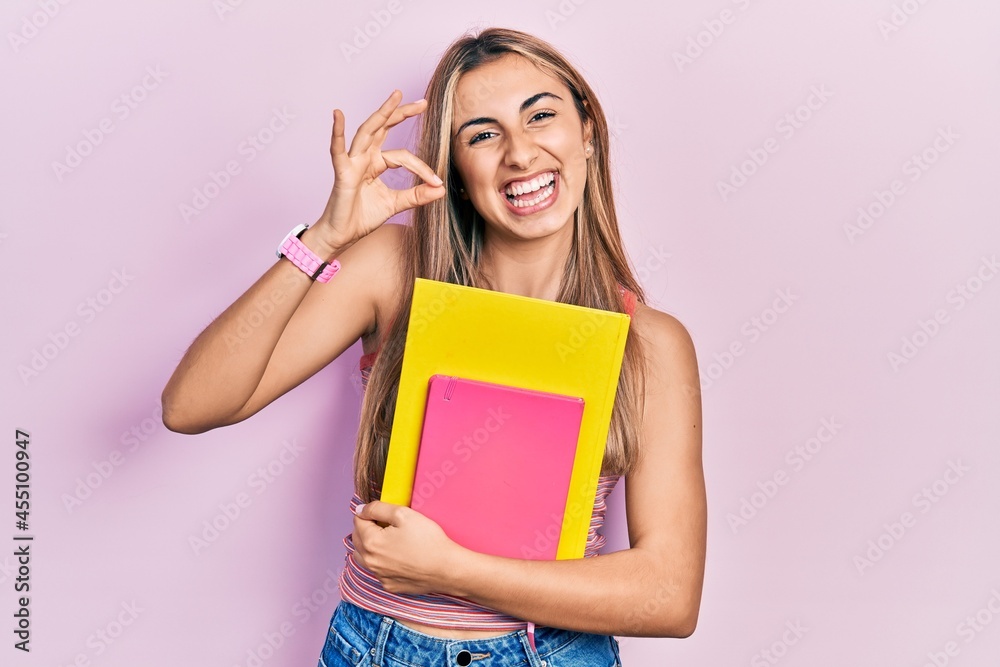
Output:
x=298 y=254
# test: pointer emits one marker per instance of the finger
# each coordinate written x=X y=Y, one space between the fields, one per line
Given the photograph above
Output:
x=362 y=525
x=361 y=528
x=398 y=115
x=365 y=533
x=363 y=138
x=358 y=540
x=404 y=111
x=417 y=196
x=401 y=113
x=401 y=157
x=337 y=145
x=378 y=511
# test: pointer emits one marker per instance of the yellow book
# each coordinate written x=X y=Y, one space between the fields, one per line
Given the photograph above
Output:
x=517 y=341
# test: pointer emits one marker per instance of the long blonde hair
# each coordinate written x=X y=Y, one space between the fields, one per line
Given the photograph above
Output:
x=445 y=243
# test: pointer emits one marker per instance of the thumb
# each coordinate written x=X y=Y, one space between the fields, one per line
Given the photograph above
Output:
x=378 y=511
x=418 y=195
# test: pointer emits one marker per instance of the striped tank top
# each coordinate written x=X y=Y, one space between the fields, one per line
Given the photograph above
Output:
x=360 y=587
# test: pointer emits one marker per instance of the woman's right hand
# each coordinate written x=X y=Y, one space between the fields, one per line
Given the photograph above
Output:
x=360 y=201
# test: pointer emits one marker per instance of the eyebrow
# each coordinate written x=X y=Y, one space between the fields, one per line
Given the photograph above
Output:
x=525 y=105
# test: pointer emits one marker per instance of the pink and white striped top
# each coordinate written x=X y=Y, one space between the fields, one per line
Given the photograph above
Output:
x=360 y=587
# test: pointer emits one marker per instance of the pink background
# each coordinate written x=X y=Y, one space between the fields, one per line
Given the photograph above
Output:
x=718 y=263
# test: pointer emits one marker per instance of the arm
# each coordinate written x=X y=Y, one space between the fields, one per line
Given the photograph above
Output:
x=280 y=332
x=285 y=328
x=651 y=589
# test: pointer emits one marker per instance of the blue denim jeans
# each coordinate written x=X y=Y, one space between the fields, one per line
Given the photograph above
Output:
x=361 y=638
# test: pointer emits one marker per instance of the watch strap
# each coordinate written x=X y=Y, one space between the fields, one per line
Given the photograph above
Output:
x=298 y=254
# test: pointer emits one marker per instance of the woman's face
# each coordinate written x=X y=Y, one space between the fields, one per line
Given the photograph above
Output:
x=519 y=148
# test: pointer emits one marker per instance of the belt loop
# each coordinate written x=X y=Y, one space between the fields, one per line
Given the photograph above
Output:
x=378 y=651
x=531 y=642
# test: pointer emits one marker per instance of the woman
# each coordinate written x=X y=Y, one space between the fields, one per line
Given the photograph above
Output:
x=519 y=200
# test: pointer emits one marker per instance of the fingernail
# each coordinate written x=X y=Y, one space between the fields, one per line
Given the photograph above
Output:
x=436 y=180
x=357 y=510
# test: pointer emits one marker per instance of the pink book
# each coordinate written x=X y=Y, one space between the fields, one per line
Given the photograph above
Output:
x=494 y=465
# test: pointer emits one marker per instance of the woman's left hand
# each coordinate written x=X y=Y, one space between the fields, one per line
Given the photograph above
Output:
x=411 y=554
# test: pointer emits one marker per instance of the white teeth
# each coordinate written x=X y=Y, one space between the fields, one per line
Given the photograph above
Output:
x=542 y=196
x=530 y=186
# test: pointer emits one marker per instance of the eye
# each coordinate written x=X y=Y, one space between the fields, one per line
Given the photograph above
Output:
x=477 y=137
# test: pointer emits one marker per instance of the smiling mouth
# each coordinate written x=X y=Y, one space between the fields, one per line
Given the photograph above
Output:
x=532 y=194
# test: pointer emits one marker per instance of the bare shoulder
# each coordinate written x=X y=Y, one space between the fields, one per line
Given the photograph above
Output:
x=669 y=350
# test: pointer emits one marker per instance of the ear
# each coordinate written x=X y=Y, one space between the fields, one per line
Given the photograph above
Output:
x=459 y=185
x=588 y=125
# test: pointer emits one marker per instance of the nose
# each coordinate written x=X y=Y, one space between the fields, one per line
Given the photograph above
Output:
x=521 y=150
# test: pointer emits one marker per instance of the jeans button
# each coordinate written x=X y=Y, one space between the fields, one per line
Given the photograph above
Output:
x=463 y=658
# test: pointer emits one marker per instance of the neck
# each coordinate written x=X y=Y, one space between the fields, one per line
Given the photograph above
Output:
x=527 y=267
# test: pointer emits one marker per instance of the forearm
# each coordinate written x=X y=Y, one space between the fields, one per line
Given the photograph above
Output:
x=628 y=593
x=224 y=365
